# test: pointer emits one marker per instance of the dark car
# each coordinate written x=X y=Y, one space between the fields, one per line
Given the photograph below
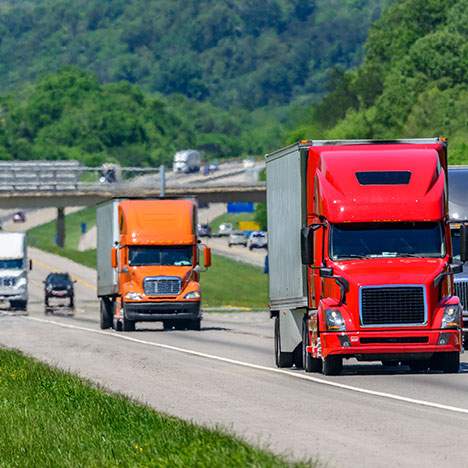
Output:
x=60 y=286
x=204 y=230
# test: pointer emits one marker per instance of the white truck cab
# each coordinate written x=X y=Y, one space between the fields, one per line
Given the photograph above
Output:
x=14 y=268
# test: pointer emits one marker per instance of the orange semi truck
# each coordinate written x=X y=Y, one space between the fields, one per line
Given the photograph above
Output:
x=148 y=263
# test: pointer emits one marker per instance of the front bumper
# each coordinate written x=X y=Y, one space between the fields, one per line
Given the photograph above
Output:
x=156 y=311
x=14 y=296
x=385 y=345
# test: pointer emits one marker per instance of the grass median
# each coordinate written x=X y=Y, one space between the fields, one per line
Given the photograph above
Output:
x=51 y=418
x=226 y=284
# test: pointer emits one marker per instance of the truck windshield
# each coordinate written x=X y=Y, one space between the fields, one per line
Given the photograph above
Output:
x=160 y=255
x=13 y=264
x=386 y=240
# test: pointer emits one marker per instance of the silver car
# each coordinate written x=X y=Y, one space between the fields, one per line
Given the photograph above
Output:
x=257 y=240
x=237 y=238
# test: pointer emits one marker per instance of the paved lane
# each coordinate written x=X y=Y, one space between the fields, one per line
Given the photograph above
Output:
x=301 y=417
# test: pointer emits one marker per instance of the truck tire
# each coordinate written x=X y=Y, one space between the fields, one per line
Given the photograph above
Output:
x=19 y=305
x=106 y=316
x=309 y=363
x=194 y=324
x=448 y=363
x=419 y=365
x=282 y=359
x=332 y=365
x=128 y=325
x=168 y=324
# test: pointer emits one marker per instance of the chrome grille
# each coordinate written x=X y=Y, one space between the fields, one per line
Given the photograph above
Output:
x=392 y=305
x=461 y=290
x=7 y=282
x=162 y=286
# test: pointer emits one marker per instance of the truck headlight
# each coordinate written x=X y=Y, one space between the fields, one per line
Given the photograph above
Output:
x=133 y=296
x=192 y=295
x=335 y=321
x=452 y=316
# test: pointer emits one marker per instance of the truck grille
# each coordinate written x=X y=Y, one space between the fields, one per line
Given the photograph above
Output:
x=7 y=282
x=393 y=305
x=162 y=286
x=461 y=290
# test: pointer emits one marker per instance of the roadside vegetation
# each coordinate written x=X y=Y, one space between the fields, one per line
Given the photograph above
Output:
x=412 y=82
x=226 y=284
x=51 y=418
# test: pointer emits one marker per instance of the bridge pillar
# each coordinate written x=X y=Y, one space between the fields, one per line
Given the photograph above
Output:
x=60 y=228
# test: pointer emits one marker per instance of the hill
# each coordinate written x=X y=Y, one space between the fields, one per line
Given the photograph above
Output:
x=235 y=53
x=412 y=83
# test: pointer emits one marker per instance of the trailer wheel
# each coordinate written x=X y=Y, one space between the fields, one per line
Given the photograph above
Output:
x=282 y=359
x=448 y=363
x=106 y=317
x=332 y=365
x=309 y=363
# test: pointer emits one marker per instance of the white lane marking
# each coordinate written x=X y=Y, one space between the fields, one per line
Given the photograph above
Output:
x=249 y=365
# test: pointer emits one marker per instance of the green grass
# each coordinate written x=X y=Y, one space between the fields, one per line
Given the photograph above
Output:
x=226 y=283
x=233 y=218
x=51 y=418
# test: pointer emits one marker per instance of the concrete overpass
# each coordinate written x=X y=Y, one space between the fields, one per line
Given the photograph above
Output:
x=82 y=196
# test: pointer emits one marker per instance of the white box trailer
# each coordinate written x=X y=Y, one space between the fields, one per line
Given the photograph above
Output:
x=107 y=238
x=187 y=161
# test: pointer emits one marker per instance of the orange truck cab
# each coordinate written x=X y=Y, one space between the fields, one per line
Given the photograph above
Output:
x=148 y=263
x=360 y=255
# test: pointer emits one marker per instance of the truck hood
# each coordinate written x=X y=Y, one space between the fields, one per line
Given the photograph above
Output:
x=390 y=270
x=10 y=273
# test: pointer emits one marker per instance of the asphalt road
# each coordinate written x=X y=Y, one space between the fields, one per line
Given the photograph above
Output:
x=224 y=375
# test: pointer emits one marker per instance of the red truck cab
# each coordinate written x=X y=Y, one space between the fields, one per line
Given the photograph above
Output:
x=371 y=255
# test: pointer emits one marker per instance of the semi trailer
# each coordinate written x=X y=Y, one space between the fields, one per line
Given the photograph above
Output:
x=360 y=255
x=148 y=263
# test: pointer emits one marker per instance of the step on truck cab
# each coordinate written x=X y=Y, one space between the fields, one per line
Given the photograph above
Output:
x=14 y=266
x=148 y=263
x=360 y=255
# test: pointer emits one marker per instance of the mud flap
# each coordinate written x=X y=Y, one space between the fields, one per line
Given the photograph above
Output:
x=291 y=328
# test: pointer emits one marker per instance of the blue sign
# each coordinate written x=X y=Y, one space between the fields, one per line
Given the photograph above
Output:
x=240 y=207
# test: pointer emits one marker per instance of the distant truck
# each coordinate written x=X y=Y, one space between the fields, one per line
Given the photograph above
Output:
x=187 y=161
x=360 y=256
x=148 y=263
x=14 y=268
x=458 y=208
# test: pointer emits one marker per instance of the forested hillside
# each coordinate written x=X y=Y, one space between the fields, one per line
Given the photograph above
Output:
x=413 y=81
x=235 y=53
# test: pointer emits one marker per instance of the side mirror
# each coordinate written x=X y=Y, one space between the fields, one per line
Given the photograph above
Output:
x=307 y=243
x=207 y=256
x=114 y=257
x=456 y=268
x=30 y=264
x=326 y=272
x=464 y=242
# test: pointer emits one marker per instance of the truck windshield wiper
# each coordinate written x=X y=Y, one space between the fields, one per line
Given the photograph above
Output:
x=344 y=257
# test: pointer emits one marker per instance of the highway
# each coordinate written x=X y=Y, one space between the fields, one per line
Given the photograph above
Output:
x=224 y=375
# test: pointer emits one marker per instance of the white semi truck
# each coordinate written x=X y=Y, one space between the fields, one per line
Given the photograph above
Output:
x=187 y=161
x=14 y=266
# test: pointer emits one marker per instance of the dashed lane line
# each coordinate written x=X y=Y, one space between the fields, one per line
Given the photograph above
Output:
x=273 y=370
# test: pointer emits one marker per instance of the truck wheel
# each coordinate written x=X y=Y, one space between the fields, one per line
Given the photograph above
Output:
x=194 y=324
x=419 y=365
x=309 y=363
x=332 y=365
x=106 y=317
x=448 y=363
x=19 y=305
x=282 y=359
x=128 y=325
x=168 y=324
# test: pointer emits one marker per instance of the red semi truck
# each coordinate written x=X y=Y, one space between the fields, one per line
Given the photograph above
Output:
x=360 y=256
